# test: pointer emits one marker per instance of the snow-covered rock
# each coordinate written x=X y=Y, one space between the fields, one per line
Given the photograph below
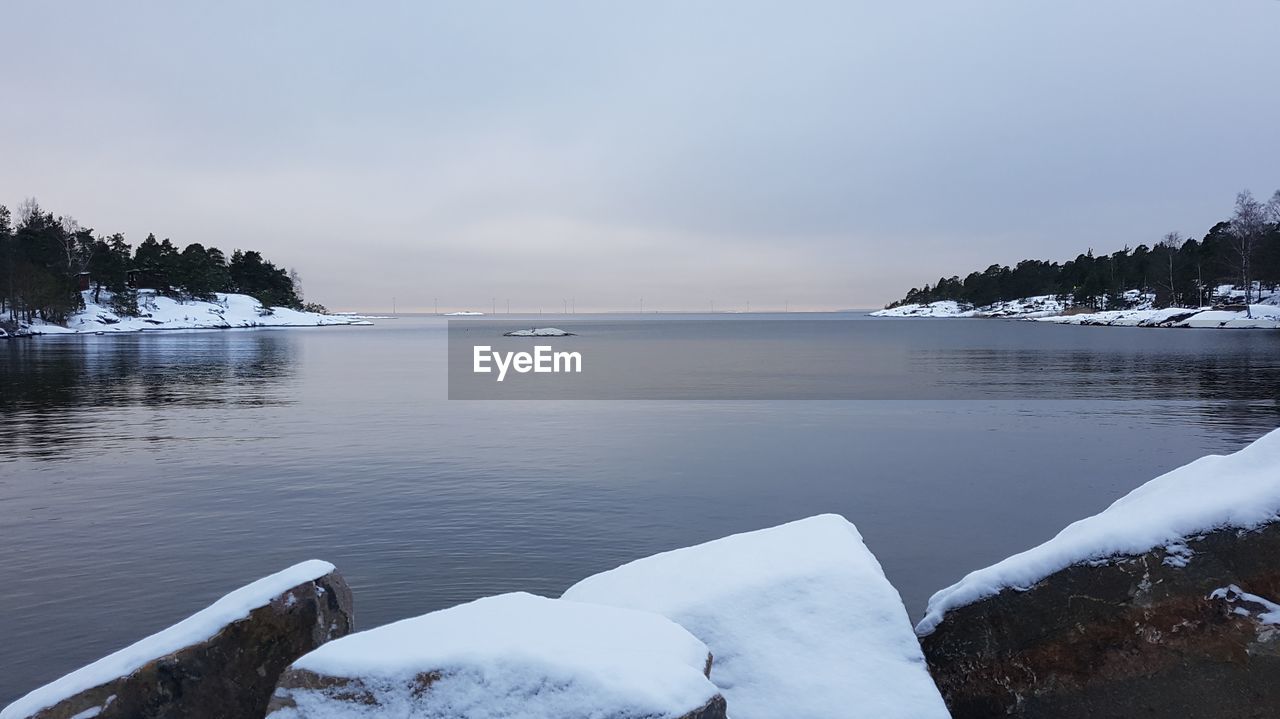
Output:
x=513 y=655
x=941 y=308
x=1263 y=316
x=220 y=663
x=158 y=312
x=1164 y=604
x=1239 y=491
x=1040 y=306
x=538 y=332
x=799 y=617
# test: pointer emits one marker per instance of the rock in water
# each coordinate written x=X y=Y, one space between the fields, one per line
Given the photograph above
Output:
x=513 y=655
x=220 y=663
x=1164 y=605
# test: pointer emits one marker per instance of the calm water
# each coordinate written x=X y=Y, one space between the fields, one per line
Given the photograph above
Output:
x=144 y=475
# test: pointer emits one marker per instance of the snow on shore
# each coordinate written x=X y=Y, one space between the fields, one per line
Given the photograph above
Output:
x=1240 y=490
x=158 y=312
x=1041 y=306
x=1139 y=312
x=1255 y=317
x=799 y=617
x=513 y=655
x=941 y=308
x=194 y=629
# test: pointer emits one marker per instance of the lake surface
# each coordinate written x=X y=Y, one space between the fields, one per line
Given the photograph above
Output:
x=144 y=475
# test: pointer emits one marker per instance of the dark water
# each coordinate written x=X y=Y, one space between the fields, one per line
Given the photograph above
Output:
x=142 y=476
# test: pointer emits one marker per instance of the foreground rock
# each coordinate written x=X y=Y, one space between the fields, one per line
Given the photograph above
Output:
x=220 y=663
x=800 y=618
x=1162 y=605
x=514 y=655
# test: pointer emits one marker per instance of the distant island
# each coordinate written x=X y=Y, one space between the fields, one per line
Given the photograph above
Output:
x=57 y=276
x=1229 y=278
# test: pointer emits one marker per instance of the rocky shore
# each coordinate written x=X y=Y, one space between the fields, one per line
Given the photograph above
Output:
x=1137 y=310
x=161 y=312
x=1163 y=605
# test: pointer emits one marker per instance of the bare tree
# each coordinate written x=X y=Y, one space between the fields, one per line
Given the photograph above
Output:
x=1248 y=225
x=1170 y=244
x=27 y=209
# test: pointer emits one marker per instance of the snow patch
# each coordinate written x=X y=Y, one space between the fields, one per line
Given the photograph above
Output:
x=514 y=655
x=194 y=629
x=1269 y=614
x=941 y=308
x=1039 y=306
x=799 y=617
x=1178 y=555
x=157 y=312
x=1255 y=317
x=1240 y=490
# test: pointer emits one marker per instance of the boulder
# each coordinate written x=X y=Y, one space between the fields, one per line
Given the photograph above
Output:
x=800 y=618
x=220 y=663
x=1163 y=605
x=1147 y=635
x=513 y=655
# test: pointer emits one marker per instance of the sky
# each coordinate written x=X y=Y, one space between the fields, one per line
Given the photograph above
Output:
x=802 y=155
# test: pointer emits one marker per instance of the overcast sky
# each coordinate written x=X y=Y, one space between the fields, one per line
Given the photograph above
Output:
x=828 y=155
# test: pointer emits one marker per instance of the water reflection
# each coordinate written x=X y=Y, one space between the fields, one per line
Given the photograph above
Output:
x=60 y=392
x=1089 y=374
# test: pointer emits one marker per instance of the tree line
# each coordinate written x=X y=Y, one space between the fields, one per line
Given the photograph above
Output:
x=1243 y=251
x=43 y=259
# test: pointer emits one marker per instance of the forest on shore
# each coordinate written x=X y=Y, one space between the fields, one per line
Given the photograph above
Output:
x=46 y=259
x=1243 y=251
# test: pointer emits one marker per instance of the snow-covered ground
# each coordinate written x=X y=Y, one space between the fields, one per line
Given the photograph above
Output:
x=1139 y=311
x=1240 y=490
x=463 y=314
x=799 y=617
x=539 y=332
x=158 y=312
x=941 y=308
x=513 y=655
x=192 y=630
x=1041 y=306
x=1256 y=317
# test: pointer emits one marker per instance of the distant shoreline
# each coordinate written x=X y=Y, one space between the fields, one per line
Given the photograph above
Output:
x=1262 y=315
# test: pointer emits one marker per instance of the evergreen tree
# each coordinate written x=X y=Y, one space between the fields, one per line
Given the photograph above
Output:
x=254 y=276
x=7 y=264
x=1241 y=252
x=109 y=265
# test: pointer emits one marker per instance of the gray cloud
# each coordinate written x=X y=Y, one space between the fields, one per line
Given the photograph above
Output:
x=823 y=154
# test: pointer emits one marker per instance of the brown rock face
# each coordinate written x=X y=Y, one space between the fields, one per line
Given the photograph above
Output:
x=342 y=690
x=232 y=674
x=1136 y=637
